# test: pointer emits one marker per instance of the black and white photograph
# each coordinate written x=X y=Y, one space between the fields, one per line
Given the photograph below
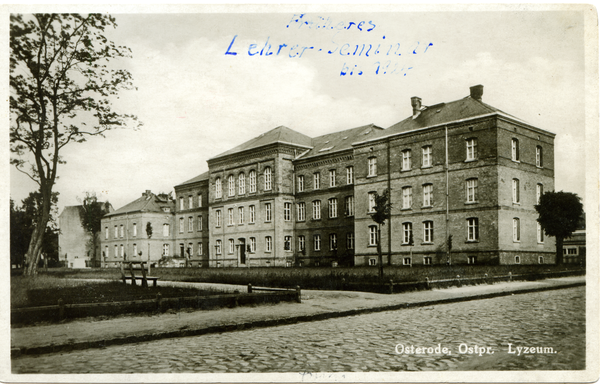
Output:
x=300 y=193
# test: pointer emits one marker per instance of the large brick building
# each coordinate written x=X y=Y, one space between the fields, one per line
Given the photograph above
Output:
x=462 y=170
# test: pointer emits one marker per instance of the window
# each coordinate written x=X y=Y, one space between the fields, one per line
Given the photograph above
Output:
x=350 y=240
x=181 y=225
x=406 y=160
x=253 y=244
x=332 y=242
x=165 y=249
x=350 y=175
x=406 y=261
x=252 y=213
x=231 y=185
x=231 y=246
x=516 y=229
x=301 y=211
x=372 y=166
x=190 y=202
x=517 y=260
x=116 y=231
x=134 y=229
x=407 y=234
x=200 y=223
x=372 y=235
x=539 y=191
x=372 y=262
x=190 y=249
x=106 y=233
x=426 y=156
x=540 y=233
x=471 y=190
x=287 y=243
x=541 y=260
x=135 y=250
x=349 y=205
x=331 y=178
x=570 y=251
x=427 y=195
x=105 y=252
x=190 y=224
x=218 y=188
x=241 y=215
x=218 y=247
x=122 y=251
x=427 y=260
x=268 y=244
x=471 y=259
x=287 y=211
x=268 y=181
x=301 y=183
x=301 y=243
x=122 y=231
x=230 y=216
x=316 y=180
x=428 y=231
x=317 y=210
x=515 y=150
x=218 y=218
x=166 y=230
x=181 y=208
x=516 y=198
x=268 y=212
x=472 y=229
x=539 y=156
x=406 y=197
x=199 y=248
x=116 y=250
x=252 y=177
x=471 y=149
x=317 y=242
x=333 y=210
x=372 y=202
x=199 y=200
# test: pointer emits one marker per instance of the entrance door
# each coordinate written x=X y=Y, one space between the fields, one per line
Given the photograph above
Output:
x=242 y=251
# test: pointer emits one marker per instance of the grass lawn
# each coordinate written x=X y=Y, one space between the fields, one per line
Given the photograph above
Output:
x=47 y=289
x=323 y=277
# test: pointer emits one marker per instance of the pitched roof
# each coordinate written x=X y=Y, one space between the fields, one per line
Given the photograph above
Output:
x=445 y=113
x=280 y=134
x=148 y=202
x=338 y=141
x=201 y=177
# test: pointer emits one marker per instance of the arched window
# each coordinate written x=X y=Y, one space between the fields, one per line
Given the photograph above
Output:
x=252 y=177
x=231 y=185
x=218 y=188
x=268 y=180
x=242 y=184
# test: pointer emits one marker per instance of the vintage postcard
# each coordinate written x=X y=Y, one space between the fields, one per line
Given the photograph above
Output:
x=300 y=193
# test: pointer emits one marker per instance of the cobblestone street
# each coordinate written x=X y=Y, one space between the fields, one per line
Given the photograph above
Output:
x=554 y=320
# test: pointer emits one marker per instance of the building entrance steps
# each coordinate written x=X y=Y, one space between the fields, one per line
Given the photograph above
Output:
x=316 y=305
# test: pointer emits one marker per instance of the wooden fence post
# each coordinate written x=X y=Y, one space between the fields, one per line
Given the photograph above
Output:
x=427 y=282
x=159 y=301
x=61 y=309
x=132 y=274
x=249 y=288
x=144 y=280
x=391 y=286
x=509 y=276
x=298 y=294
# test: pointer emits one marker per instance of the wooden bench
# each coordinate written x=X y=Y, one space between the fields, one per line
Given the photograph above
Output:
x=133 y=277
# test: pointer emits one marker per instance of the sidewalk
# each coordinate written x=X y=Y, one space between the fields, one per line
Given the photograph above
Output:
x=316 y=305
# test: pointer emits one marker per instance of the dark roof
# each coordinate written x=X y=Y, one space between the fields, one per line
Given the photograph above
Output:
x=341 y=140
x=201 y=177
x=79 y=208
x=147 y=203
x=280 y=134
x=444 y=113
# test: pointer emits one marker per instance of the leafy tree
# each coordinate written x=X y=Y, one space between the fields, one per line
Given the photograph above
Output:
x=381 y=212
x=559 y=216
x=91 y=215
x=60 y=93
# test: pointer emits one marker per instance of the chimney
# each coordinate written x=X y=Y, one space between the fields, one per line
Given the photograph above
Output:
x=415 y=102
x=147 y=193
x=476 y=92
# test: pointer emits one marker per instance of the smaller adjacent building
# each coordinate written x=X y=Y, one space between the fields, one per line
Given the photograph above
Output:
x=74 y=242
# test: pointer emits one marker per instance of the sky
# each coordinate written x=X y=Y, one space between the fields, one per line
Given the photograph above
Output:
x=203 y=85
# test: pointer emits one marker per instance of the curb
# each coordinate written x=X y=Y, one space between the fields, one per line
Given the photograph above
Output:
x=53 y=348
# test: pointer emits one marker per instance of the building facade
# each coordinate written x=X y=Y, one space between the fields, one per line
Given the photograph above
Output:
x=463 y=176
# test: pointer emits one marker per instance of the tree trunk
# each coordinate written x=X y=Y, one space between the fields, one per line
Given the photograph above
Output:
x=379 y=252
x=559 y=249
x=34 y=251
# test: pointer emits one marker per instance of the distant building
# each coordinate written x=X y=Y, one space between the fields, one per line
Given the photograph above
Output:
x=462 y=170
x=574 y=246
x=74 y=242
